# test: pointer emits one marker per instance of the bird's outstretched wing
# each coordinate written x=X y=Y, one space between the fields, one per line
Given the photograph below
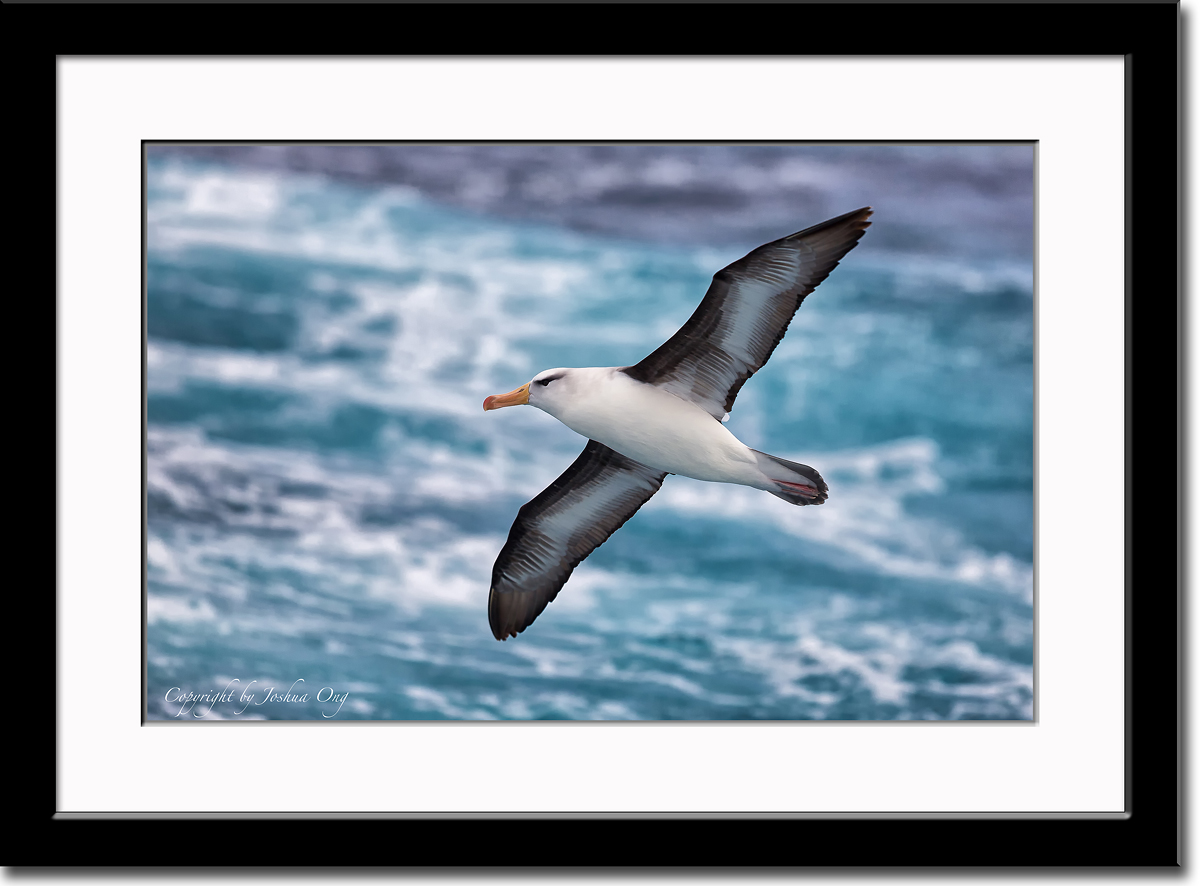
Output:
x=745 y=314
x=555 y=531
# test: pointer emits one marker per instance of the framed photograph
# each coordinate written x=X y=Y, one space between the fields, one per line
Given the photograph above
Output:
x=328 y=505
x=302 y=571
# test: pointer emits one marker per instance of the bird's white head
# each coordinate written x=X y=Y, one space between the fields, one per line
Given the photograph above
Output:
x=547 y=391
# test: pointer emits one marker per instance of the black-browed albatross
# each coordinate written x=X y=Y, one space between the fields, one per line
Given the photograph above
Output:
x=663 y=416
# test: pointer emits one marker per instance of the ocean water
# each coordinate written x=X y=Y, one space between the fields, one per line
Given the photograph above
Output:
x=326 y=496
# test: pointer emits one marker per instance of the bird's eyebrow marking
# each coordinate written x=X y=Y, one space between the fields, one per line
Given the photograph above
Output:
x=546 y=381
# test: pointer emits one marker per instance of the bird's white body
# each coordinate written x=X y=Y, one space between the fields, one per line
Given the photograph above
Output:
x=661 y=416
x=647 y=424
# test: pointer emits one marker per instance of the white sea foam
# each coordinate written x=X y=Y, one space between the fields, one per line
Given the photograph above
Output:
x=178 y=610
x=989 y=686
x=865 y=515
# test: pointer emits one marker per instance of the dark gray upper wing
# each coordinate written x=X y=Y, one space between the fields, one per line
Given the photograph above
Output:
x=554 y=532
x=745 y=314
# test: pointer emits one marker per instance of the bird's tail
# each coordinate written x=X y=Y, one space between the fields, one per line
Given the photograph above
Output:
x=794 y=483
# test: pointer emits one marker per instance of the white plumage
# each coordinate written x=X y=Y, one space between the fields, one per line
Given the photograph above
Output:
x=647 y=424
x=663 y=416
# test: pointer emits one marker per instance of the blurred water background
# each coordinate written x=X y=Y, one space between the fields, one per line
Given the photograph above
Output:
x=326 y=496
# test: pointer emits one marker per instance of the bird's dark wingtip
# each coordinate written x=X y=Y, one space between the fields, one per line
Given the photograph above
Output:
x=855 y=221
x=861 y=216
x=499 y=632
x=502 y=623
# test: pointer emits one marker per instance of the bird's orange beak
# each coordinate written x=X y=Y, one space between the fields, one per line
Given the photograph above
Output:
x=519 y=397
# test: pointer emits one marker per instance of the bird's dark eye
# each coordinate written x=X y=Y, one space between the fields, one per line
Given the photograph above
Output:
x=544 y=381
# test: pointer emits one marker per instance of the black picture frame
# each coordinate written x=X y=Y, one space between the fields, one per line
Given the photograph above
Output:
x=1146 y=34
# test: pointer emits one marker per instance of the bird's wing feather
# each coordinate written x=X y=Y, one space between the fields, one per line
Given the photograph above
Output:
x=745 y=313
x=555 y=531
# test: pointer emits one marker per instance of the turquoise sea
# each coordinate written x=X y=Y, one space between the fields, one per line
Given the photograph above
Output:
x=326 y=497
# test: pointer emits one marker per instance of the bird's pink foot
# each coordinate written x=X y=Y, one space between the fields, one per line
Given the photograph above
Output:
x=799 y=488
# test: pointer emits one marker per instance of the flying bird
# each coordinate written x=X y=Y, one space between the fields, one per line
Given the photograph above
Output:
x=662 y=416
